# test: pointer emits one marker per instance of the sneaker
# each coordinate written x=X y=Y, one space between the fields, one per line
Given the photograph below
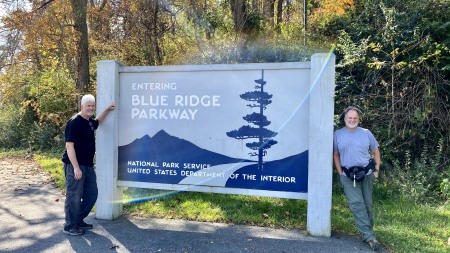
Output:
x=375 y=245
x=84 y=225
x=73 y=231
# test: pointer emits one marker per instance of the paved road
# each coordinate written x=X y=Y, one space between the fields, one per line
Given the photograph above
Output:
x=32 y=217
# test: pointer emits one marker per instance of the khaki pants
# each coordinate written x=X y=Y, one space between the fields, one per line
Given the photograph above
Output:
x=359 y=199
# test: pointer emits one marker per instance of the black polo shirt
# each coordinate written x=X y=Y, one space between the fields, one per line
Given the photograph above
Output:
x=82 y=133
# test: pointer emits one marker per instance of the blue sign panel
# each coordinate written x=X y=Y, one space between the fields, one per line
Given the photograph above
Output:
x=242 y=129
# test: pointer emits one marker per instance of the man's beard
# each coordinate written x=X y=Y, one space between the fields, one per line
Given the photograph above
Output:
x=351 y=125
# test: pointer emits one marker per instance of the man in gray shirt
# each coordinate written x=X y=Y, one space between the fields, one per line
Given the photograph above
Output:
x=354 y=146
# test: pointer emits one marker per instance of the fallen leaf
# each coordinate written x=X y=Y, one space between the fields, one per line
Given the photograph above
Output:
x=115 y=246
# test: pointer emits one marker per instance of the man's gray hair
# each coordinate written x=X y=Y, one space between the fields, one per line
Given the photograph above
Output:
x=87 y=98
x=360 y=114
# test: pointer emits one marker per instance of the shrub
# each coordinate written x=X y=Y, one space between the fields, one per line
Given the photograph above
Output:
x=445 y=188
x=14 y=127
x=421 y=179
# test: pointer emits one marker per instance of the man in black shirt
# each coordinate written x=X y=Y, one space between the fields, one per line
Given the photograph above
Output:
x=81 y=180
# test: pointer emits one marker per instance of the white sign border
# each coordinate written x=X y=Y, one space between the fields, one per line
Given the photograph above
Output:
x=109 y=203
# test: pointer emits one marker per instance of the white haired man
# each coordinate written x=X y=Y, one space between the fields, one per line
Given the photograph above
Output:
x=78 y=159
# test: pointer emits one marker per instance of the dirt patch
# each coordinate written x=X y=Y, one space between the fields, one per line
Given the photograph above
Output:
x=18 y=172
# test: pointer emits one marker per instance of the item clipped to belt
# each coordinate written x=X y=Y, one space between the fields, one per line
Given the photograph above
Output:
x=358 y=173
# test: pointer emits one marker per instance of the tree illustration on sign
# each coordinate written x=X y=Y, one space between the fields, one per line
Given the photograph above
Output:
x=260 y=99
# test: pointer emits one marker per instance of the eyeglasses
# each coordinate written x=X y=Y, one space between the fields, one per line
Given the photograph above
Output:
x=90 y=124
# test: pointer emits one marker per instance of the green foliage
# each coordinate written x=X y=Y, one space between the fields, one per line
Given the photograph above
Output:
x=50 y=100
x=48 y=137
x=445 y=188
x=389 y=64
x=51 y=94
x=418 y=180
x=19 y=128
x=15 y=126
x=12 y=152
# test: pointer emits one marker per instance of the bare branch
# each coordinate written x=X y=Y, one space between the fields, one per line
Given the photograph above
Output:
x=43 y=5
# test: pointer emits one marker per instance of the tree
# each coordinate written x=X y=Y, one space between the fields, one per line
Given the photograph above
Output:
x=279 y=12
x=326 y=13
x=79 y=12
x=269 y=11
x=81 y=41
x=261 y=99
x=247 y=21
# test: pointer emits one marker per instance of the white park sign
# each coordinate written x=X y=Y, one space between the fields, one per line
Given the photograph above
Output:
x=252 y=129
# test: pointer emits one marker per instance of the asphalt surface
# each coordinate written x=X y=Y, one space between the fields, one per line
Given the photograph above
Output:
x=32 y=218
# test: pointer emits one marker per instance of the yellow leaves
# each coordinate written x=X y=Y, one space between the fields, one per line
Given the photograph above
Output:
x=333 y=7
x=390 y=57
x=401 y=65
x=376 y=47
x=395 y=52
x=376 y=64
x=329 y=9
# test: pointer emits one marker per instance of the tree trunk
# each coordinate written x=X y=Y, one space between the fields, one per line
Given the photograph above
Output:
x=255 y=5
x=279 y=12
x=269 y=11
x=156 y=37
x=79 y=11
x=239 y=14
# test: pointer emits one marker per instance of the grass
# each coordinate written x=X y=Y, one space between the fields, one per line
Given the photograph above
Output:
x=234 y=209
x=53 y=165
x=9 y=153
x=402 y=225
x=412 y=227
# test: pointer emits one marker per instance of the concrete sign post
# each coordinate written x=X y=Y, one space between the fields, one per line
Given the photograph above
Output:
x=109 y=202
x=251 y=129
x=320 y=145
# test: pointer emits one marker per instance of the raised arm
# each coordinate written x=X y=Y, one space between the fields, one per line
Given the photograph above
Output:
x=102 y=116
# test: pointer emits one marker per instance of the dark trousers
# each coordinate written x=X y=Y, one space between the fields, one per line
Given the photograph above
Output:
x=81 y=195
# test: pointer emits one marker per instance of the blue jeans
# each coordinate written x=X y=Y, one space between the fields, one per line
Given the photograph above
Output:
x=81 y=195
